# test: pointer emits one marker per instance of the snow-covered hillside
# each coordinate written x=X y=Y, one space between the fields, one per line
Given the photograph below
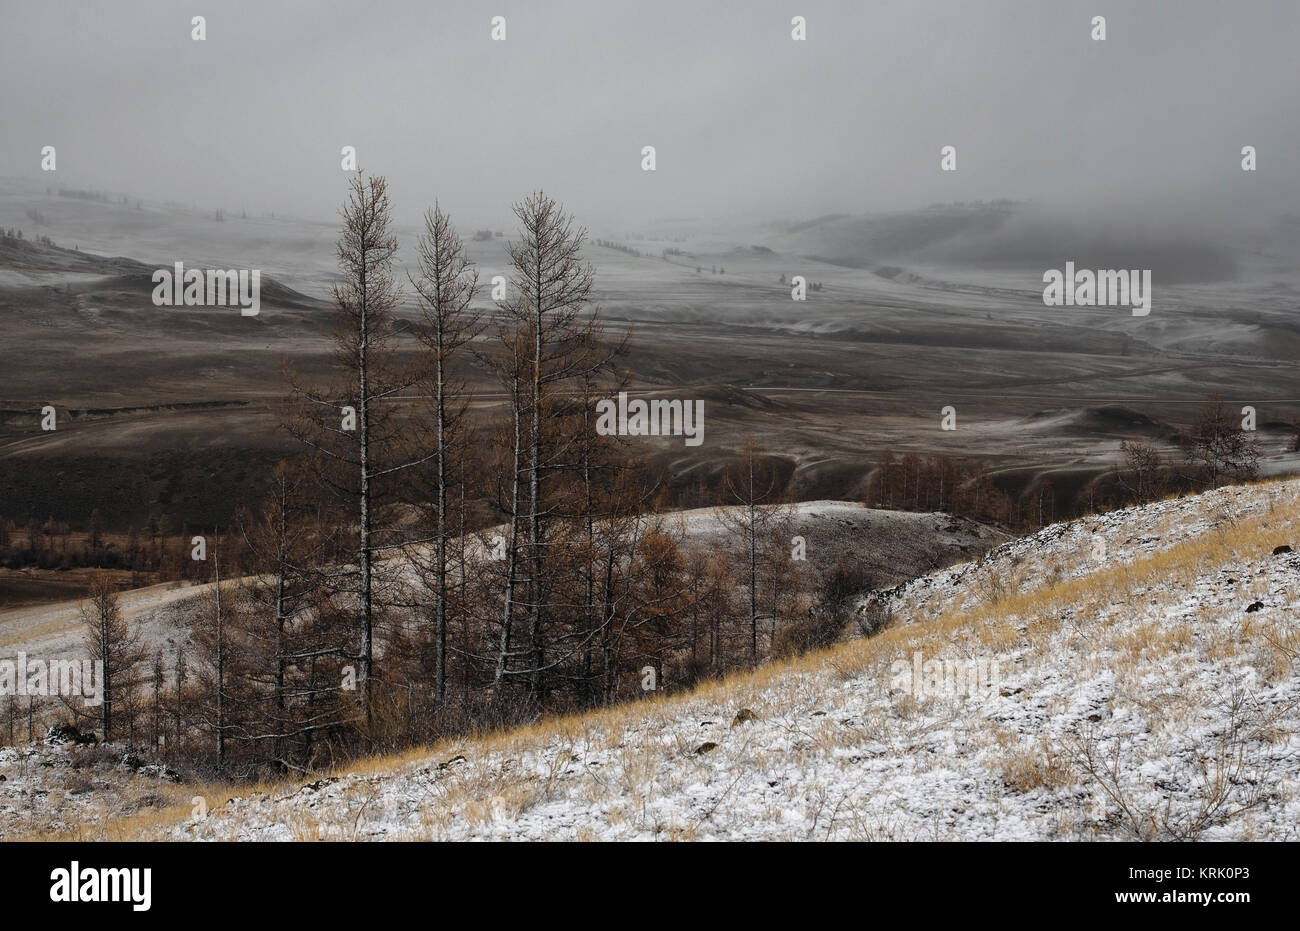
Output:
x=1131 y=675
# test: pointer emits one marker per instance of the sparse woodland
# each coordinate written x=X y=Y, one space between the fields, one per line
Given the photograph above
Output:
x=424 y=569
x=432 y=567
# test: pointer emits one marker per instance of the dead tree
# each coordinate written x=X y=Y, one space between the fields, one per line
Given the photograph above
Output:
x=446 y=286
x=370 y=446
x=550 y=291
x=752 y=484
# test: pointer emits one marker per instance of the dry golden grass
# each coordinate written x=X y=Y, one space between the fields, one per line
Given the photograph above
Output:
x=177 y=804
x=1150 y=640
x=1036 y=767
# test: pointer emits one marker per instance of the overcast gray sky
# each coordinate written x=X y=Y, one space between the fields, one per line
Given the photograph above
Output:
x=746 y=122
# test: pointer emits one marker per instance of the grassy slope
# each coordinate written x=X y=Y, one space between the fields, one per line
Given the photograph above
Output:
x=1138 y=699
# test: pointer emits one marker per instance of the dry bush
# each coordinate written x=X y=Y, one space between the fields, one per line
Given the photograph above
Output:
x=1042 y=767
x=1226 y=781
x=994 y=584
x=94 y=755
x=78 y=783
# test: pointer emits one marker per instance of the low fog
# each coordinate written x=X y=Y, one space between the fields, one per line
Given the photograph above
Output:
x=1141 y=132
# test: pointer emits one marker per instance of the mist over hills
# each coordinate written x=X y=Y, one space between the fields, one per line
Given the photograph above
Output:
x=917 y=309
x=1014 y=237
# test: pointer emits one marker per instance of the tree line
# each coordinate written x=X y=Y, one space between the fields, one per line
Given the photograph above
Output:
x=1214 y=449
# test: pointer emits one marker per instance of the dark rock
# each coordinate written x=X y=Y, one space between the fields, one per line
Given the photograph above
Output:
x=67 y=733
x=159 y=771
x=1254 y=606
x=1279 y=550
x=705 y=747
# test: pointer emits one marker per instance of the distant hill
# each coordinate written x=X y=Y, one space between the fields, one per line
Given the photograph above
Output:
x=35 y=256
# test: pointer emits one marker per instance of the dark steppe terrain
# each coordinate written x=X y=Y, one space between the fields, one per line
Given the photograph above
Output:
x=172 y=410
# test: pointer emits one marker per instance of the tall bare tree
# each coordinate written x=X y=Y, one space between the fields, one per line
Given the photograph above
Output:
x=370 y=444
x=753 y=484
x=510 y=458
x=550 y=291
x=446 y=285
